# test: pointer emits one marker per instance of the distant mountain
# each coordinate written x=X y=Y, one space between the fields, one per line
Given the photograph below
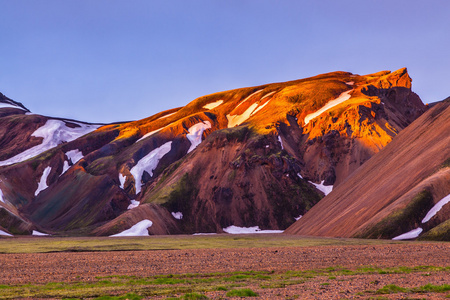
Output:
x=402 y=192
x=258 y=156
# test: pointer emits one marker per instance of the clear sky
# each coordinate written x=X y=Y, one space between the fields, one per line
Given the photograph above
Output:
x=111 y=60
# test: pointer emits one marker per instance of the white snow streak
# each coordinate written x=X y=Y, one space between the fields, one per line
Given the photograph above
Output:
x=342 y=97
x=281 y=142
x=54 y=132
x=9 y=105
x=43 y=183
x=213 y=105
x=437 y=207
x=74 y=155
x=245 y=100
x=299 y=175
x=204 y=233
x=133 y=204
x=177 y=215
x=1 y=197
x=149 y=163
x=5 y=233
x=409 y=235
x=247 y=230
x=166 y=116
x=37 y=233
x=239 y=119
x=195 y=134
x=140 y=229
x=267 y=95
x=122 y=180
x=298 y=218
x=65 y=167
x=259 y=108
x=326 y=189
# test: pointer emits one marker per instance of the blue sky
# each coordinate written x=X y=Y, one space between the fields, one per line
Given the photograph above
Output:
x=110 y=60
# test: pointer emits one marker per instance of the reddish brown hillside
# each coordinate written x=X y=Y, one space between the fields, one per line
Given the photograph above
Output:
x=392 y=193
x=256 y=156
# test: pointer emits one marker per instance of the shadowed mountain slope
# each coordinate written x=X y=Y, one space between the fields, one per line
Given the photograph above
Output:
x=397 y=191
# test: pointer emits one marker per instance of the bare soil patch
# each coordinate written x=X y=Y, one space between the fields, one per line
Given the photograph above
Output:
x=42 y=268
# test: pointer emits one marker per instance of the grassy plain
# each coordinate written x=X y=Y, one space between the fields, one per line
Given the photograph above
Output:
x=174 y=242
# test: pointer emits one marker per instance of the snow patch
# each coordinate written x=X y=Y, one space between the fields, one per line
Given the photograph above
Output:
x=298 y=218
x=248 y=97
x=342 y=97
x=259 y=108
x=133 y=204
x=437 y=207
x=8 y=105
x=195 y=134
x=74 y=155
x=206 y=233
x=66 y=167
x=149 y=163
x=281 y=142
x=409 y=235
x=140 y=229
x=166 y=116
x=239 y=119
x=247 y=230
x=326 y=189
x=1 y=197
x=5 y=233
x=54 y=132
x=122 y=180
x=37 y=233
x=43 y=183
x=299 y=175
x=177 y=215
x=350 y=83
x=213 y=105
x=267 y=95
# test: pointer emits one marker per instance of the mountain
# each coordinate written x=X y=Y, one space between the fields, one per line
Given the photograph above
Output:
x=402 y=192
x=257 y=156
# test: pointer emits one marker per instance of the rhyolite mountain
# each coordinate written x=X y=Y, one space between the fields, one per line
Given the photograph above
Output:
x=401 y=192
x=257 y=156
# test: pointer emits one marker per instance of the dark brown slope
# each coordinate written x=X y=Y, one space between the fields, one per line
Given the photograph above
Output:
x=393 y=191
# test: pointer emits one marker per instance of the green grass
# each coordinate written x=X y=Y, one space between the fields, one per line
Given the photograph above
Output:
x=85 y=244
x=242 y=293
x=194 y=286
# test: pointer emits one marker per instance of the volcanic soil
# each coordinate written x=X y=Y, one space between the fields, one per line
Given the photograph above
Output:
x=41 y=268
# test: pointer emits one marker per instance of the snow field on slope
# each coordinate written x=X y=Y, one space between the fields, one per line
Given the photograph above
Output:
x=5 y=233
x=236 y=120
x=409 y=235
x=43 y=182
x=166 y=116
x=248 y=230
x=133 y=204
x=1 y=196
x=54 y=132
x=66 y=167
x=195 y=134
x=8 y=105
x=342 y=97
x=177 y=215
x=248 y=97
x=437 y=207
x=139 y=229
x=148 y=163
x=37 y=233
x=122 y=180
x=213 y=105
x=326 y=189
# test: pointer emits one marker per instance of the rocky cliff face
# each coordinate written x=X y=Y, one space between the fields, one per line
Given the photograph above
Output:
x=258 y=156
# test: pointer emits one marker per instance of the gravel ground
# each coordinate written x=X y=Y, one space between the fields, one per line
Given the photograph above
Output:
x=85 y=266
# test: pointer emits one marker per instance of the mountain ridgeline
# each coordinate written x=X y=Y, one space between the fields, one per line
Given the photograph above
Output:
x=259 y=156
